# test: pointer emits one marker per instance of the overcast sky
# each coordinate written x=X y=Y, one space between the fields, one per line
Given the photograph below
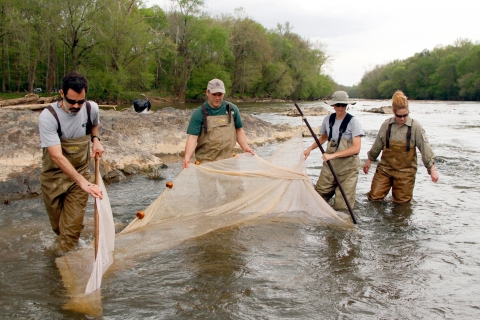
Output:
x=360 y=34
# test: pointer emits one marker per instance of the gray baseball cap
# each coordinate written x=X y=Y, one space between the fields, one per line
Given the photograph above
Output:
x=339 y=97
x=216 y=85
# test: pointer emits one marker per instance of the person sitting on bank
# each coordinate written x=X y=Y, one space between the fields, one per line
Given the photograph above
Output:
x=214 y=128
x=398 y=139
x=66 y=129
x=344 y=135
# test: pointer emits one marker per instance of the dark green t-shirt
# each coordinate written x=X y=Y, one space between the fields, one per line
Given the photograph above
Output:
x=196 y=121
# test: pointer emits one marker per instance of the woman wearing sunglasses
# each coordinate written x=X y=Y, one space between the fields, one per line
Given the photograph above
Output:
x=398 y=139
x=344 y=133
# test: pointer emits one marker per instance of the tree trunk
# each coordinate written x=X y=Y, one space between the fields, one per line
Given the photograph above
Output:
x=13 y=102
x=4 y=71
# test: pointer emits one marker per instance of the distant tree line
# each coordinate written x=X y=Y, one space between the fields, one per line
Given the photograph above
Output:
x=445 y=73
x=124 y=47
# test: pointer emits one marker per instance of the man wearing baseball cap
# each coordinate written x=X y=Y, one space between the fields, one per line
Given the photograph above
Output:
x=343 y=133
x=214 y=128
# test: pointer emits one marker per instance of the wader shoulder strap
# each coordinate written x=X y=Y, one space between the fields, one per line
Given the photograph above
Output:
x=204 y=111
x=387 y=138
x=331 y=122
x=343 y=125
x=409 y=136
x=89 y=121
x=229 y=110
x=52 y=111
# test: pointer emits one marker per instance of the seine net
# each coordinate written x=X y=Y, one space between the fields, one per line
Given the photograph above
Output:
x=210 y=196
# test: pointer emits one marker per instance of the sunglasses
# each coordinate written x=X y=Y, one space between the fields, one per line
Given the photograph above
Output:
x=401 y=115
x=74 y=102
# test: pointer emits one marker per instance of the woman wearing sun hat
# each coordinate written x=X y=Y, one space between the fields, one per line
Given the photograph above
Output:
x=343 y=133
x=398 y=139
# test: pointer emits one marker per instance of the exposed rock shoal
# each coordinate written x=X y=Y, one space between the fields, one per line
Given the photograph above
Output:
x=383 y=110
x=133 y=143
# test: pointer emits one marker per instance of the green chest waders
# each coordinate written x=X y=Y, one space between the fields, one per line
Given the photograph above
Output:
x=217 y=140
x=65 y=201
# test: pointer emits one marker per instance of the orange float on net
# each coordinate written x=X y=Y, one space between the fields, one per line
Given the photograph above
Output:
x=234 y=154
x=169 y=184
x=197 y=162
x=140 y=214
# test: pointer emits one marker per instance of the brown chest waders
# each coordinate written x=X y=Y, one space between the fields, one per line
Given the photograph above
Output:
x=65 y=201
x=217 y=139
x=396 y=170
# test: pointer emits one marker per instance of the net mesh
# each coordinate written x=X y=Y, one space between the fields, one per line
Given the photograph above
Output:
x=210 y=196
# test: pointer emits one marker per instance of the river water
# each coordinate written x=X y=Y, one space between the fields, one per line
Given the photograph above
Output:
x=420 y=260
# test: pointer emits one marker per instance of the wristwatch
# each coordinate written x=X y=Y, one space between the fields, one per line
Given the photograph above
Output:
x=95 y=137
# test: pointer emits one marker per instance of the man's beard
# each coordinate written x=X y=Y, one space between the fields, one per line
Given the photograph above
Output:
x=72 y=111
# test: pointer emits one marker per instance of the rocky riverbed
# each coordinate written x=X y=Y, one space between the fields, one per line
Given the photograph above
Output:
x=133 y=143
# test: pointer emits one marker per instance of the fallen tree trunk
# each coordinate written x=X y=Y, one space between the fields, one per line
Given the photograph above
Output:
x=12 y=102
x=27 y=106
x=28 y=99
x=44 y=105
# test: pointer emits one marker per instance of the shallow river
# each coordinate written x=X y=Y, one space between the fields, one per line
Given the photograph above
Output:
x=420 y=260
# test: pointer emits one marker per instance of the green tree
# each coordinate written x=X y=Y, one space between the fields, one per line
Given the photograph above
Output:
x=122 y=56
x=79 y=27
x=368 y=86
x=251 y=50
x=444 y=80
x=184 y=29
x=8 y=16
x=469 y=75
x=210 y=52
x=163 y=48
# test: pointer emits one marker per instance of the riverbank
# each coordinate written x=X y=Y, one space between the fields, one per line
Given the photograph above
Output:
x=134 y=143
x=12 y=99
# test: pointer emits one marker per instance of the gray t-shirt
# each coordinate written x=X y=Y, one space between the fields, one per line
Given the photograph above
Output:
x=354 y=128
x=73 y=126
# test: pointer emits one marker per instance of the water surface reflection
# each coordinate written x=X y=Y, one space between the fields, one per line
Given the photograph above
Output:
x=419 y=260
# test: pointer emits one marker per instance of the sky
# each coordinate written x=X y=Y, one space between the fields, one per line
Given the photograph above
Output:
x=359 y=34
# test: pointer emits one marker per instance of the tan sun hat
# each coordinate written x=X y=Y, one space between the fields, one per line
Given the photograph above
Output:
x=340 y=97
x=216 y=85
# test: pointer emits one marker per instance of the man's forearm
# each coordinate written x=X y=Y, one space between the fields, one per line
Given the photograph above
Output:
x=242 y=139
x=190 y=146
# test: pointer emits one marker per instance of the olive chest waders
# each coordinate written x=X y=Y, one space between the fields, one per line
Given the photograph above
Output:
x=346 y=169
x=217 y=138
x=65 y=201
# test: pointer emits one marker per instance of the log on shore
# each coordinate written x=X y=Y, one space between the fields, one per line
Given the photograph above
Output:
x=114 y=106
x=27 y=107
x=44 y=105
x=12 y=102
x=32 y=99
